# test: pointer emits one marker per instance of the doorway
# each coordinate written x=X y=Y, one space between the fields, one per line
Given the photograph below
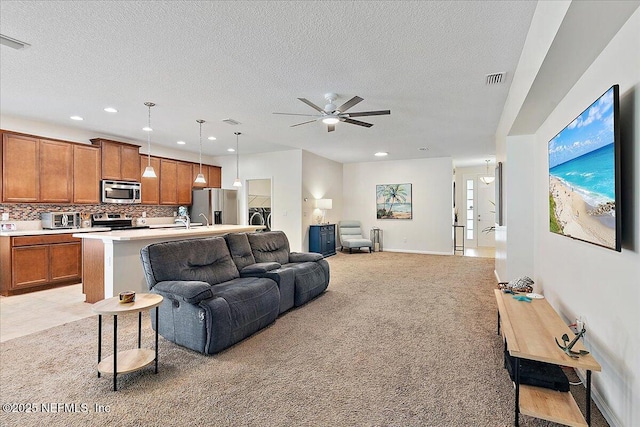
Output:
x=259 y=202
x=479 y=211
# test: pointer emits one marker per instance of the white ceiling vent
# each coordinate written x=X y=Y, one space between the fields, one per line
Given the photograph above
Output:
x=231 y=122
x=495 y=78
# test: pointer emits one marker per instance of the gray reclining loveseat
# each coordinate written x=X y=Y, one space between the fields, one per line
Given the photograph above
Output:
x=213 y=300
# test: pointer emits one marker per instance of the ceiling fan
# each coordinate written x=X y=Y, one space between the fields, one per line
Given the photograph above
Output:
x=331 y=114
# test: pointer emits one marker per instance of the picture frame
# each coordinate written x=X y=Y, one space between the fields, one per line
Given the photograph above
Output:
x=394 y=201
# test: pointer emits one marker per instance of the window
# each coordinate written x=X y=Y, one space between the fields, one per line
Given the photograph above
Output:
x=469 y=208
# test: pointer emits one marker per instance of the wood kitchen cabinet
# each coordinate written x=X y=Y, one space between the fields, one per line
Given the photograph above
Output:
x=184 y=182
x=31 y=263
x=56 y=171
x=120 y=161
x=168 y=182
x=20 y=168
x=86 y=174
x=212 y=174
x=150 y=186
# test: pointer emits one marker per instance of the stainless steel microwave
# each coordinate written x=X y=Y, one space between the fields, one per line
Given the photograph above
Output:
x=121 y=192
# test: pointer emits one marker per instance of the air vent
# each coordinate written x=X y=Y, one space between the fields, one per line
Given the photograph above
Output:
x=231 y=122
x=495 y=78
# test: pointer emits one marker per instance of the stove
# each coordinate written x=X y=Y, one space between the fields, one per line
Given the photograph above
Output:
x=115 y=221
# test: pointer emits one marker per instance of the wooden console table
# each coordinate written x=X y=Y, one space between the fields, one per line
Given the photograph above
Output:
x=529 y=329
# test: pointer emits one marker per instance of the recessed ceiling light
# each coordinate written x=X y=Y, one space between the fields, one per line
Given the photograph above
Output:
x=76 y=118
x=381 y=154
x=212 y=138
x=231 y=150
x=110 y=110
x=147 y=129
x=180 y=142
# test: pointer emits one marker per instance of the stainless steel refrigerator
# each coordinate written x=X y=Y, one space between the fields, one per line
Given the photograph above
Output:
x=218 y=205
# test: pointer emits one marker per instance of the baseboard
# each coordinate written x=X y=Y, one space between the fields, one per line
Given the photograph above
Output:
x=408 y=251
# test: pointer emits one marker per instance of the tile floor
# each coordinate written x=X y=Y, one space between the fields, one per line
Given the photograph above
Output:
x=36 y=311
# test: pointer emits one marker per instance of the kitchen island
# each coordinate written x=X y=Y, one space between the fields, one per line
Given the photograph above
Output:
x=111 y=260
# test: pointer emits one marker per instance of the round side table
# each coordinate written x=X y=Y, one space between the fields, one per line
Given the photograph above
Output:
x=129 y=360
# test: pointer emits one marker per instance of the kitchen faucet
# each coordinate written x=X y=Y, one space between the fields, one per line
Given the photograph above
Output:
x=184 y=220
x=205 y=218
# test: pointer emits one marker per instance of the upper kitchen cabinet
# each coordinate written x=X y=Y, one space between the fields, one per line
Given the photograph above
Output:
x=20 y=168
x=168 y=182
x=150 y=186
x=175 y=182
x=86 y=174
x=211 y=174
x=215 y=177
x=56 y=171
x=184 y=182
x=120 y=161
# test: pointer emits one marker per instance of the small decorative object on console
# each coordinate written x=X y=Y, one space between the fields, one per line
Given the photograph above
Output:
x=521 y=284
x=567 y=348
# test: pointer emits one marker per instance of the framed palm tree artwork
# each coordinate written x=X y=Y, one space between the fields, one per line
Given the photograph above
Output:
x=393 y=201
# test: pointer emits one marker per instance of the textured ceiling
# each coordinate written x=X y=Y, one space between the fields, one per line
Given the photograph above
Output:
x=424 y=61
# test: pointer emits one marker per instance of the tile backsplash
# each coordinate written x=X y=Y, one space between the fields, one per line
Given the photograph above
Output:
x=32 y=211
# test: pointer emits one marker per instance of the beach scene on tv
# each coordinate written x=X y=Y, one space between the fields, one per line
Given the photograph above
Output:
x=582 y=176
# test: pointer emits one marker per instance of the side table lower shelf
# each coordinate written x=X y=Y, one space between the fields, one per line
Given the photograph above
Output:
x=128 y=361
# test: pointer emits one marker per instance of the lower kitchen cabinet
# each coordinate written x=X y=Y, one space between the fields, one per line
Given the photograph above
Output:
x=322 y=239
x=31 y=263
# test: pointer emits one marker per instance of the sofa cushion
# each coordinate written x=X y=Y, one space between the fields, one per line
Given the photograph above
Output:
x=271 y=246
x=205 y=260
x=240 y=249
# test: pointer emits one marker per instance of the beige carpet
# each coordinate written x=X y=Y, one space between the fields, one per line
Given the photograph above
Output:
x=397 y=340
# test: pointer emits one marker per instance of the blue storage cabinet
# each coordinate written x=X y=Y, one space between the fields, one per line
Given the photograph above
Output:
x=322 y=239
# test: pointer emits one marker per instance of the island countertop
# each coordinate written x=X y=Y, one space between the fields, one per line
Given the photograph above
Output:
x=170 y=233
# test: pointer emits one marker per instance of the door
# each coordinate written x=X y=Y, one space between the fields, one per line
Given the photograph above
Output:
x=259 y=202
x=479 y=211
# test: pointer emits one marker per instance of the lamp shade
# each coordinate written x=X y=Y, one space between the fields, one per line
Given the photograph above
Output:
x=324 y=203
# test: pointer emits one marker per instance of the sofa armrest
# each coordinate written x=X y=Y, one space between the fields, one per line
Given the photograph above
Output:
x=190 y=291
x=304 y=257
x=260 y=267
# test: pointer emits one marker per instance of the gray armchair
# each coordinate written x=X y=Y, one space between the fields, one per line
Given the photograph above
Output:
x=350 y=235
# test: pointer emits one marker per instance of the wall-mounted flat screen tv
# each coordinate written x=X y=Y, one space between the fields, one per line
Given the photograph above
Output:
x=584 y=175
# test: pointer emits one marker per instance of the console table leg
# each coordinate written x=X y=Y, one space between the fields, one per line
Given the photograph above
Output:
x=517 y=369
x=588 y=397
x=498 y=322
x=99 y=340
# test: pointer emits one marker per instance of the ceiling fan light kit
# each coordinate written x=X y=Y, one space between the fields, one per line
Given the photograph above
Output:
x=331 y=114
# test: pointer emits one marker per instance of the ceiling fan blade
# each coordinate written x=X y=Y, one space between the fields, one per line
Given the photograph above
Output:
x=331 y=128
x=369 y=113
x=311 y=104
x=350 y=103
x=303 y=123
x=296 y=114
x=357 y=122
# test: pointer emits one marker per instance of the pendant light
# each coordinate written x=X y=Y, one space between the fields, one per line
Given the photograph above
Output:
x=200 y=178
x=148 y=171
x=237 y=182
x=488 y=179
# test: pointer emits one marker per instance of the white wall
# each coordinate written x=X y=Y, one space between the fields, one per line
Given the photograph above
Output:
x=581 y=279
x=430 y=229
x=284 y=168
x=321 y=179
